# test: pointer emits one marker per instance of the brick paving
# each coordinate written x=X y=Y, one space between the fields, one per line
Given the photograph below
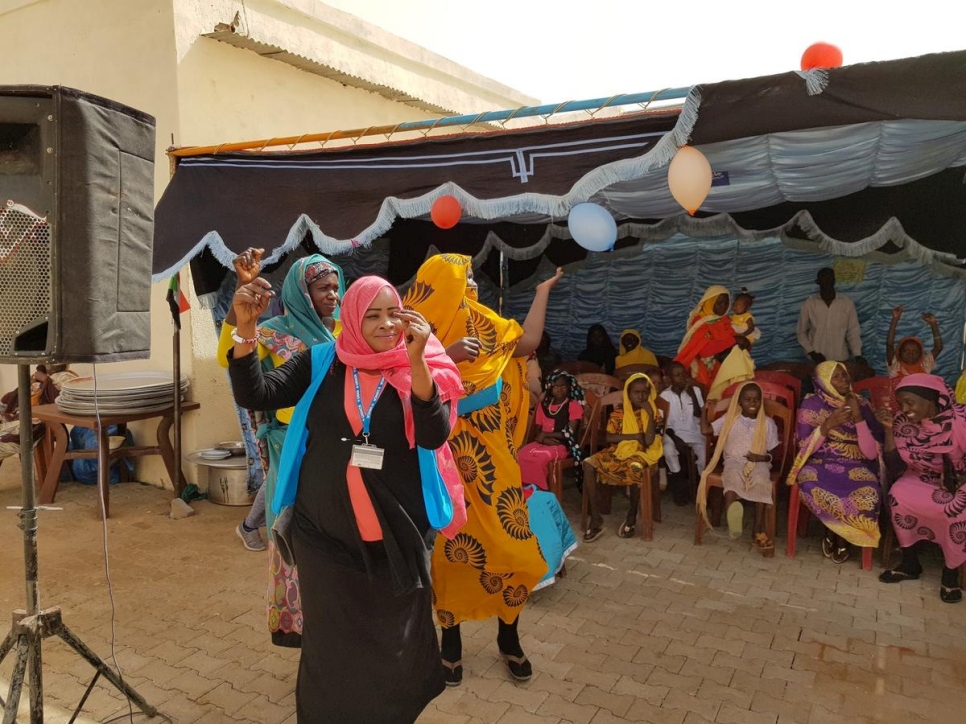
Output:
x=661 y=632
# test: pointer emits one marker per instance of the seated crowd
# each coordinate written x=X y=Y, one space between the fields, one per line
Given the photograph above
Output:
x=704 y=424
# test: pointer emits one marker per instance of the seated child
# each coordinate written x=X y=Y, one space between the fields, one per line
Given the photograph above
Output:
x=911 y=356
x=682 y=433
x=742 y=321
x=747 y=437
x=632 y=353
x=635 y=447
x=558 y=417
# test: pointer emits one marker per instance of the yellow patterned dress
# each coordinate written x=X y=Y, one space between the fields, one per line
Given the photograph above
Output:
x=493 y=564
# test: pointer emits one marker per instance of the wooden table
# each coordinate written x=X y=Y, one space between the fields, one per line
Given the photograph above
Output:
x=56 y=453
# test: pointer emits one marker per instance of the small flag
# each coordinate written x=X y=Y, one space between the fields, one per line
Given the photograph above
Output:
x=177 y=300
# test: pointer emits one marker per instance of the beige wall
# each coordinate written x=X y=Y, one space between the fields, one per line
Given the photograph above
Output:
x=149 y=54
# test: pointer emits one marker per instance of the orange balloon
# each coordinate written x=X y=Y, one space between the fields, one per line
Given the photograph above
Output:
x=446 y=212
x=821 y=55
x=689 y=178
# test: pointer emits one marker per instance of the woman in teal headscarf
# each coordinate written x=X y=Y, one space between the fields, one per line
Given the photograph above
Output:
x=311 y=293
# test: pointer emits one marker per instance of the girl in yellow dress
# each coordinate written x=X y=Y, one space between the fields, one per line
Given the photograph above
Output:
x=635 y=446
x=492 y=565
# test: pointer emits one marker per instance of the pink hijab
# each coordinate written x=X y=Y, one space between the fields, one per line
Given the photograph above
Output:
x=926 y=442
x=354 y=351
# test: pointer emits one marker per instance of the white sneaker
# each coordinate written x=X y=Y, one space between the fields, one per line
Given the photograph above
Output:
x=251 y=539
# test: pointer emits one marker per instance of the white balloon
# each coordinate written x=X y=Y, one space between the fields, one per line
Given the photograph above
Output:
x=592 y=227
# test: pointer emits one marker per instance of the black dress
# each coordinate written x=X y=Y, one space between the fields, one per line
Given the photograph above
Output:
x=369 y=646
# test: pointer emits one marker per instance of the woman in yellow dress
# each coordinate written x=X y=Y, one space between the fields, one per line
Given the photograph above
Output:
x=492 y=565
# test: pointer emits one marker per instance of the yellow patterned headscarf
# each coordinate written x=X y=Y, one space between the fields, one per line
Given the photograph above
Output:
x=823 y=379
x=631 y=424
x=440 y=294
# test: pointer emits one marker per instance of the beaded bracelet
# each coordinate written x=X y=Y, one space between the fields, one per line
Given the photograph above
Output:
x=243 y=340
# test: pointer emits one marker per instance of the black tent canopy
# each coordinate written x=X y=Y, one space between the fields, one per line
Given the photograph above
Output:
x=860 y=159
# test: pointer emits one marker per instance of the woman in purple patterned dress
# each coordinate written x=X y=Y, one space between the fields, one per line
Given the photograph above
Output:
x=837 y=468
x=925 y=451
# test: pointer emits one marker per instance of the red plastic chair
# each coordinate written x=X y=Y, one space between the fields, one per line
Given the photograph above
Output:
x=782 y=378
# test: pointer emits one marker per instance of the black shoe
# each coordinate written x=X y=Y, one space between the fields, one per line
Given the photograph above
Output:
x=950 y=594
x=454 y=672
x=894 y=575
x=518 y=666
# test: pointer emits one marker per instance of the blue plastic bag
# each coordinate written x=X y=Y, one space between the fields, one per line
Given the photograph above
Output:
x=85 y=471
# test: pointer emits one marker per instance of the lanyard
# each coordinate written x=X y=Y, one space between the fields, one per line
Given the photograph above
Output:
x=366 y=416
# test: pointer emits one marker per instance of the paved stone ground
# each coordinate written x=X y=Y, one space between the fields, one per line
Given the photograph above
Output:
x=649 y=632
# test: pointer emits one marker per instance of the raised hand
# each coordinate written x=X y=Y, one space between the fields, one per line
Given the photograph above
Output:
x=463 y=349
x=416 y=331
x=548 y=284
x=930 y=319
x=248 y=265
x=250 y=302
x=836 y=419
x=896 y=313
x=884 y=416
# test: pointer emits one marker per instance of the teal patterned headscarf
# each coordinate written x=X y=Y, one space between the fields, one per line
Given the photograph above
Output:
x=300 y=327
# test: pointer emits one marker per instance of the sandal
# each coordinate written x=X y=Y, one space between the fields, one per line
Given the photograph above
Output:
x=827 y=546
x=518 y=666
x=625 y=531
x=894 y=575
x=764 y=543
x=454 y=672
x=949 y=594
x=841 y=553
x=592 y=534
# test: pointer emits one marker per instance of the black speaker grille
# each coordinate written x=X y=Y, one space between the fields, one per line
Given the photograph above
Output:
x=25 y=273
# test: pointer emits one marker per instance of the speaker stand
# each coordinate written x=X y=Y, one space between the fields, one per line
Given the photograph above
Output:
x=31 y=626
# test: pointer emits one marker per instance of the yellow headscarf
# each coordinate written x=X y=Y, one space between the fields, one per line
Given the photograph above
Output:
x=823 y=385
x=758 y=442
x=704 y=311
x=440 y=294
x=631 y=425
x=637 y=356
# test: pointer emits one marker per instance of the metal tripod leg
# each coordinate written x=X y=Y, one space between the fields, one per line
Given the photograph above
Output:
x=104 y=670
x=16 y=680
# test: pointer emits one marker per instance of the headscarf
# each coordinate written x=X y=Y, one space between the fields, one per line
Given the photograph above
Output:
x=916 y=367
x=703 y=312
x=576 y=394
x=353 y=351
x=635 y=422
x=604 y=354
x=300 y=327
x=758 y=442
x=936 y=446
x=439 y=293
x=636 y=356
x=831 y=397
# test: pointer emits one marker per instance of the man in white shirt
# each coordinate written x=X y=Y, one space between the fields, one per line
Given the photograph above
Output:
x=682 y=430
x=828 y=327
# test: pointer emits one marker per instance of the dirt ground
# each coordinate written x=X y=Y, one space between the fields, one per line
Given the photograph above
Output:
x=650 y=632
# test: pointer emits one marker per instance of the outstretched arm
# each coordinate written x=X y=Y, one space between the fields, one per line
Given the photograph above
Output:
x=891 y=336
x=937 y=337
x=533 y=324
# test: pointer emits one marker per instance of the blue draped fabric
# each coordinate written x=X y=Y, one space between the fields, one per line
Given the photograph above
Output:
x=654 y=288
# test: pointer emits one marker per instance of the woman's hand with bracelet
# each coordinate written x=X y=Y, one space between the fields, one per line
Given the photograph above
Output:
x=249 y=303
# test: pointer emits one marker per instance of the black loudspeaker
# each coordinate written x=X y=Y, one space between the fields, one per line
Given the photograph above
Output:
x=76 y=227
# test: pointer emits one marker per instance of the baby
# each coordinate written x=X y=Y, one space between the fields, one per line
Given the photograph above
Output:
x=742 y=321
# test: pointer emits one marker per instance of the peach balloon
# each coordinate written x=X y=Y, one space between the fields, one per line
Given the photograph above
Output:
x=689 y=178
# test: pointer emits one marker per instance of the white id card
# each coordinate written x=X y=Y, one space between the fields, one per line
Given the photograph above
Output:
x=367 y=456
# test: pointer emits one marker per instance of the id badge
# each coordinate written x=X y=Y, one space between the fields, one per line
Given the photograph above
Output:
x=367 y=456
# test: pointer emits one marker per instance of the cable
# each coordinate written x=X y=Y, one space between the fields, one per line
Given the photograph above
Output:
x=107 y=557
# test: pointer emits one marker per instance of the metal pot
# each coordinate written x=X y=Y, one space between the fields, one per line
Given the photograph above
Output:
x=228 y=486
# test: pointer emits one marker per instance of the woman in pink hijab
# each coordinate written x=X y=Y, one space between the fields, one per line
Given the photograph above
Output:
x=925 y=452
x=361 y=532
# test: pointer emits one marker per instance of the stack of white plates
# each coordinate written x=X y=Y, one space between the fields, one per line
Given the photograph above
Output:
x=117 y=393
